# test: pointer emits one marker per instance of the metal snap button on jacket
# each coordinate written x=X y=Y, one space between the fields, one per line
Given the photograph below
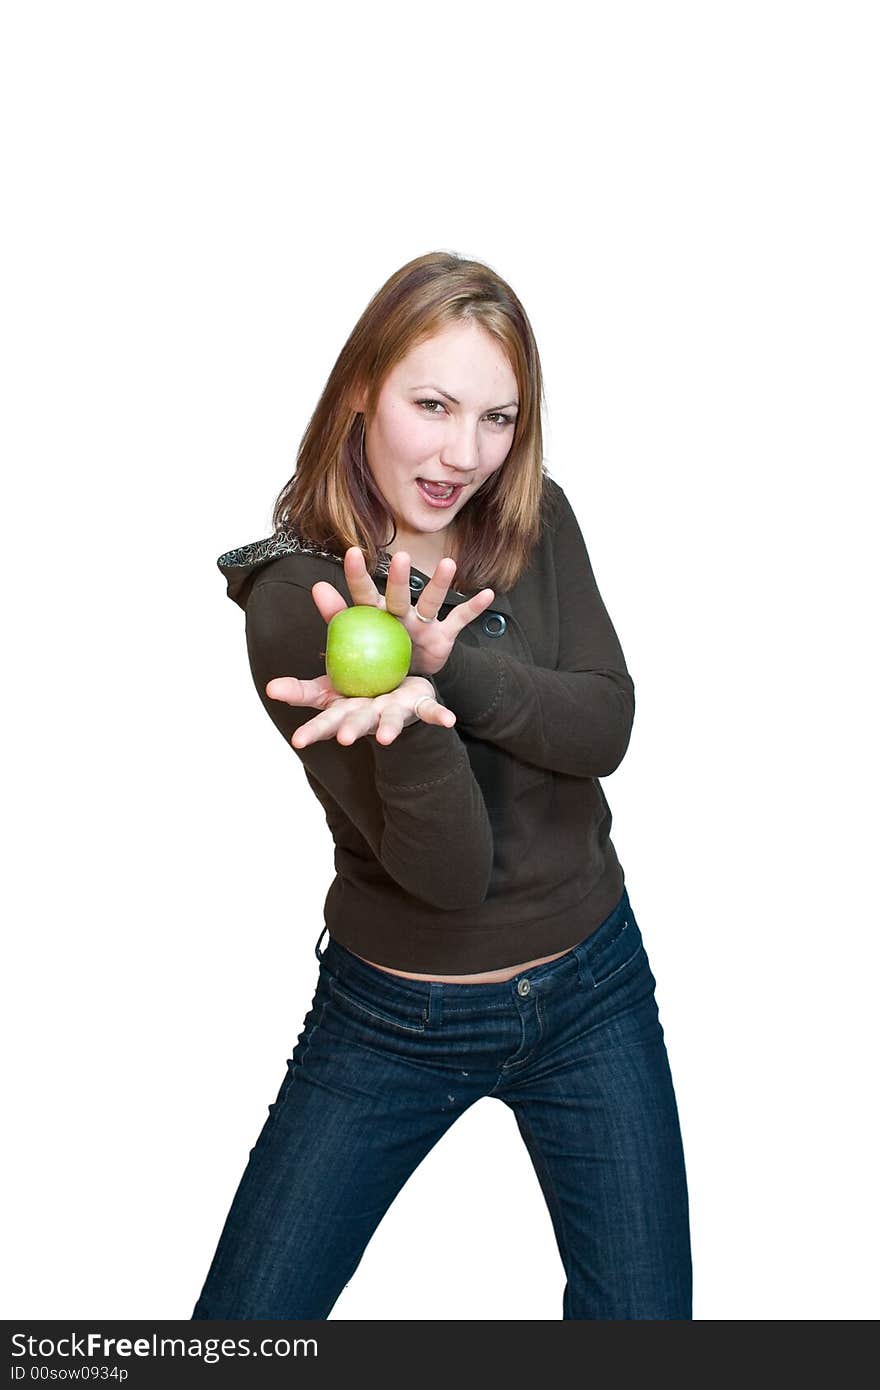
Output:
x=416 y=581
x=524 y=987
x=494 y=624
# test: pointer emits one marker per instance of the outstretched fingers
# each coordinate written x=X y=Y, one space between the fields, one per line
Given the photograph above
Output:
x=346 y=720
x=432 y=712
x=464 y=613
x=327 y=599
x=433 y=596
x=360 y=581
x=290 y=690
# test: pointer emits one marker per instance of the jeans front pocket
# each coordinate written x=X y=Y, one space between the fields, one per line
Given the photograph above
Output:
x=355 y=1001
x=616 y=945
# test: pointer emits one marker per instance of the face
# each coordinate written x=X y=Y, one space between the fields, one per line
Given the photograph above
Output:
x=446 y=414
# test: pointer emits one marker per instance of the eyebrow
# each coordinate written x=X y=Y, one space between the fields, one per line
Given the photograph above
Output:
x=428 y=386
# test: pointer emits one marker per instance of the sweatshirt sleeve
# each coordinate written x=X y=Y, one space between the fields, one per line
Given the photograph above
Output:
x=575 y=719
x=415 y=800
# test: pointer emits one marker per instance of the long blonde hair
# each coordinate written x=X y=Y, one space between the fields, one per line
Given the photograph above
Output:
x=332 y=499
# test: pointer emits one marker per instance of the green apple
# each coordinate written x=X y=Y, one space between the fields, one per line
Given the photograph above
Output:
x=368 y=651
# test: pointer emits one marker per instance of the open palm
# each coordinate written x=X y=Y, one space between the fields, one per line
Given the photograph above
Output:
x=350 y=717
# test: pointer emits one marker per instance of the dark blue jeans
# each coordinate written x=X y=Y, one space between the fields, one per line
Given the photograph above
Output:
x=384 y=1066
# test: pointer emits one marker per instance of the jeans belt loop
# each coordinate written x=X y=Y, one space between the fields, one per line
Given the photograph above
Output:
x=434 y=1004
x=585 y=974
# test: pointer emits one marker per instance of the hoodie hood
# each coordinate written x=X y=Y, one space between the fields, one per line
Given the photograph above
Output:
x=241 y=566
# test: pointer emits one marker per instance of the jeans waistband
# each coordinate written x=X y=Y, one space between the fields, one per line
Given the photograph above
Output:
x=345 y=964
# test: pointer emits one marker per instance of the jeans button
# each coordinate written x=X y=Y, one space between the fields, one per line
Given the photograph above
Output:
x=524 y=987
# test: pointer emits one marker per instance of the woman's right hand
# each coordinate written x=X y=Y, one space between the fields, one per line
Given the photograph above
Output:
x=347 y=718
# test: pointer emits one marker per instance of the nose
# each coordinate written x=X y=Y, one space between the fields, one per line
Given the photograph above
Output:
x=461 y=451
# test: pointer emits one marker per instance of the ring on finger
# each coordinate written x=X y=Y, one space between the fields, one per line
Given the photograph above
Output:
x=421 y=617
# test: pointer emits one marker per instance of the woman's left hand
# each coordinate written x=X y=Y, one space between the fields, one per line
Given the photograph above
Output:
x=431 y=642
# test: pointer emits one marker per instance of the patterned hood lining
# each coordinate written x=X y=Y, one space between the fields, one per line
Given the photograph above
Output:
x=282 y=543
x=240 y=565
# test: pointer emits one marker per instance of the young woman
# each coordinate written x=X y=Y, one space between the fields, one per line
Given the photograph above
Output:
x=481 y=941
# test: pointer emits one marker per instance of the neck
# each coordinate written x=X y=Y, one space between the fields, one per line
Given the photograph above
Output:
x=425 y=550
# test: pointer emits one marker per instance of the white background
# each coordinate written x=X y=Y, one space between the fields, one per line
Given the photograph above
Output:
x=200 y=200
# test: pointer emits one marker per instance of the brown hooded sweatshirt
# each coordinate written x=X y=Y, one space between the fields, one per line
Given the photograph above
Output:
x=466 y=849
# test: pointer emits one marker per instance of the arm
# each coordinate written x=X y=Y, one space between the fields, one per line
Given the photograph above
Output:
x=415 y=800
x=576 y=719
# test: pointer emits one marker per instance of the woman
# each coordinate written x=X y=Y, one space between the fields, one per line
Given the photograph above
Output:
x=481 y=940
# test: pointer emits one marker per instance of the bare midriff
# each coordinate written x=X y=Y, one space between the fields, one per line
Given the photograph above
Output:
x=488 y=977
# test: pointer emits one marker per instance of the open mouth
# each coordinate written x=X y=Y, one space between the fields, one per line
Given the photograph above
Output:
x=439 y=494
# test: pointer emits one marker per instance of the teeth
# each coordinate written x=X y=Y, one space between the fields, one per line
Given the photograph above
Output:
x=447 y=492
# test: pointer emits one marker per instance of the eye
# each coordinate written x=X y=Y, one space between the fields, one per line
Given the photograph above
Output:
x=502 y=420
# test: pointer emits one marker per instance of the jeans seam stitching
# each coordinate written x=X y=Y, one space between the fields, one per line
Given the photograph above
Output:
x=618 y=969
x=293 y=1068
